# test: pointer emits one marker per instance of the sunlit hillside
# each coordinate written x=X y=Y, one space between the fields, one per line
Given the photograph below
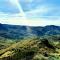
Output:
x=34 y=48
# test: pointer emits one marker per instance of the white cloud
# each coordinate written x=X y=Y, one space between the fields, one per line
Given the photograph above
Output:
x=30 y=22
x=14 y=2
x=18 y=19
x=2 y=13
x=29 y=1
x=39 y=11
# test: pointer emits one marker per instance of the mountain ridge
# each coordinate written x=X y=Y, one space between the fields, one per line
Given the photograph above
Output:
x=18 y=31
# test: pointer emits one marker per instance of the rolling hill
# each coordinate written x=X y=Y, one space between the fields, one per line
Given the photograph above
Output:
x=19 y=32
x=29 y=43
x=32 y=49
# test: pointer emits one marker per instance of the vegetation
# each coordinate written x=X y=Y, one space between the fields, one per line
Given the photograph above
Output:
x=31 y=48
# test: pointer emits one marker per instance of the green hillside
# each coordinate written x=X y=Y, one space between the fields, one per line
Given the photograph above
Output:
x=35 y=48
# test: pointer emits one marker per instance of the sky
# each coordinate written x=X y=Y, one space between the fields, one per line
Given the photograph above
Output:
x=30 y=12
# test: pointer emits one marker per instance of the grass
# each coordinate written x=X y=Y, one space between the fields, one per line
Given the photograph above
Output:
x=32 y=49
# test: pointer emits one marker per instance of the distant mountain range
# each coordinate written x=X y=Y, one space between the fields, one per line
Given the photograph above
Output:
x=16 y=31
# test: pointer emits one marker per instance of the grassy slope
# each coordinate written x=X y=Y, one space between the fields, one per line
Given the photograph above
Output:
x=32 y=49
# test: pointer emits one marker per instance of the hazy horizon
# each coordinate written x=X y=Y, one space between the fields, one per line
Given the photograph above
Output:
x=30 y=12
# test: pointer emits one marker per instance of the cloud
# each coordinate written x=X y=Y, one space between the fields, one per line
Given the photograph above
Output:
x=29 y=22
x=16 y=19
x=29 y=1
x=37 y=12
x=44 y=11
x=7 y=7
x=30 y=4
